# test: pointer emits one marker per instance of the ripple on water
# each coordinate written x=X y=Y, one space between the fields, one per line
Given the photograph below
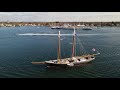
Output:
x=17 y=53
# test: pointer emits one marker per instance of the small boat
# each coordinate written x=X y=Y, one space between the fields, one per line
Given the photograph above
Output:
x=55 y=27
x=87 y=29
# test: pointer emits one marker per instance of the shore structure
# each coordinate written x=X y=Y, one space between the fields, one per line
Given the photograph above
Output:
x=51 y=24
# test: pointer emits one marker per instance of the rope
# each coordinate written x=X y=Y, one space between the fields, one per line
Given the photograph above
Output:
x=81 y=46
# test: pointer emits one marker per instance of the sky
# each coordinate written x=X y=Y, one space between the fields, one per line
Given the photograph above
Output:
x=60 y=16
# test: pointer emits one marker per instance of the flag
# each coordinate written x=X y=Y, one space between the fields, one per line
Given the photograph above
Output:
x=93 y=49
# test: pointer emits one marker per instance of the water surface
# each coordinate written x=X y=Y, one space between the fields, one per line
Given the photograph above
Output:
x=17 y=53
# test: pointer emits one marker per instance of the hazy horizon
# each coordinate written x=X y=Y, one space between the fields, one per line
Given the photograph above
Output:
x=60 y=16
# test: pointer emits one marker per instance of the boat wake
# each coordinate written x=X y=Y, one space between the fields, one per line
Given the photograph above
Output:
x=32 y=34
x=36 y=34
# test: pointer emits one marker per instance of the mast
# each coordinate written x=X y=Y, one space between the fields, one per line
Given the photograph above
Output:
x=59 y=53
x=73 y=46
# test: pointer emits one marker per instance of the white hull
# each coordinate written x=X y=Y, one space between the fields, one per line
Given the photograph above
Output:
x=70 y=62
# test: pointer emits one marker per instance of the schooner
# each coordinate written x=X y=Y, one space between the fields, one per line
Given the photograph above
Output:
x=73 y=60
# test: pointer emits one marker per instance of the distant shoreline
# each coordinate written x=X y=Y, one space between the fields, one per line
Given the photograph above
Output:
x=98 y=24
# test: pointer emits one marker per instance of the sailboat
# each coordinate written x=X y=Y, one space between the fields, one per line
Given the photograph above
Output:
x=68 y=62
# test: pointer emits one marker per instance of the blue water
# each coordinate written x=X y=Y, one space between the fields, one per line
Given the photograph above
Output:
x=17 y=53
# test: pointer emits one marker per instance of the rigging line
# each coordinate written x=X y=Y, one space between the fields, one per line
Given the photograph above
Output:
x=81 y=45
x=78 y=44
